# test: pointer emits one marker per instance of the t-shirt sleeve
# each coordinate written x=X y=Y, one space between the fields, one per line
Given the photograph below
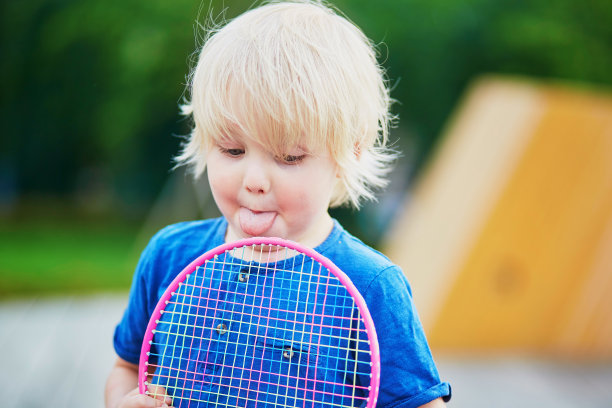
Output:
x=132 y=326
x=409 y=377
x=167 y=253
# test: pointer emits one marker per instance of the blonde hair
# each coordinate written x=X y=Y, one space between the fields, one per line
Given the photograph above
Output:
x=308 y=77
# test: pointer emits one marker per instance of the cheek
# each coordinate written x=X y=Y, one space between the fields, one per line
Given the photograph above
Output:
x=221 y=182
x=308 y=194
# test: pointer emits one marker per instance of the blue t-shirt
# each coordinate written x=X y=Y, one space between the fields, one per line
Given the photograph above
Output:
x=409 y=377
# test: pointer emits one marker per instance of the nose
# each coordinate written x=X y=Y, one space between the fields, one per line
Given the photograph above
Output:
x=256 y=179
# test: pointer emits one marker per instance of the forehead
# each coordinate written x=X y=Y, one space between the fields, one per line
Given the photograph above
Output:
x=247 y=117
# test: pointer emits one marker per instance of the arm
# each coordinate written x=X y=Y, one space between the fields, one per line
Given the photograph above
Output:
x=409 y=374
x=122 y=388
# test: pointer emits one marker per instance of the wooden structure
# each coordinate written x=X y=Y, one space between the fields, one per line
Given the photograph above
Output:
x=507 y=237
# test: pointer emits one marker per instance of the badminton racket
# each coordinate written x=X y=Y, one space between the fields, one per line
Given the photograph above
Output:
x=261 y=322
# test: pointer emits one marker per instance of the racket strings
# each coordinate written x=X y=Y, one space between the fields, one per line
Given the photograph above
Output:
x=301 y=346
x=218 y=394
x=261 y=297
x=185 y=372
x=260 y=271
x=256 y=308
x=276 y=319
x=182 y=373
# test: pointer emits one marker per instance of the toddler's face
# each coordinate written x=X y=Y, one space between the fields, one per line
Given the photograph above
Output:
x=263 y=195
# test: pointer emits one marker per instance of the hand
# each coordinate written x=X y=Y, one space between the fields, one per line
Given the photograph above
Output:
x=134 y=399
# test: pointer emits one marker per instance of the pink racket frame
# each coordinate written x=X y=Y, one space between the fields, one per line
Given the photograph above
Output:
x=342 y=277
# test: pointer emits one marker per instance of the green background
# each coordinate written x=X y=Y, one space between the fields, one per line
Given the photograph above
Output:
x=90 y=122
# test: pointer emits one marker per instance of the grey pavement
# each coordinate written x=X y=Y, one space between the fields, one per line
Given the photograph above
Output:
x=57 y=352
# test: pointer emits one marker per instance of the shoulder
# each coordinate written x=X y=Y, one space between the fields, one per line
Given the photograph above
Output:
x=167 y=253
x=364 y=265
x=190 y=235
x=200 y=230
x=178 y=244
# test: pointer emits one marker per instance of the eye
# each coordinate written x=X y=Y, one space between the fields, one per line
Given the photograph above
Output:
x=232 y=152
x=292 y=159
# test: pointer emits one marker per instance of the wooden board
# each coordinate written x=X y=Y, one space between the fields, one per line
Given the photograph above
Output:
x=507 y=238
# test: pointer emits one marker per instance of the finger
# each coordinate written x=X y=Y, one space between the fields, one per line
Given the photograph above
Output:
x=148 y=402
x=141 y=401
x=159 y=394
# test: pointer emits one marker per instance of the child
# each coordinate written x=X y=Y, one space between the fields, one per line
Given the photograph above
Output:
x=291 y=116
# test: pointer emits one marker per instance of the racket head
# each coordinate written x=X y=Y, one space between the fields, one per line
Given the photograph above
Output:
x=185 y=324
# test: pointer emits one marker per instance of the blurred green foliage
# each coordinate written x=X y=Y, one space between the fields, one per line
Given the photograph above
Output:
x=51 y=255
x=435 y=47
x=91 y=87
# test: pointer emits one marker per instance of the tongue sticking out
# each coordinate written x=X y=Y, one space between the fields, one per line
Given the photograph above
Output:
x=255 y=223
